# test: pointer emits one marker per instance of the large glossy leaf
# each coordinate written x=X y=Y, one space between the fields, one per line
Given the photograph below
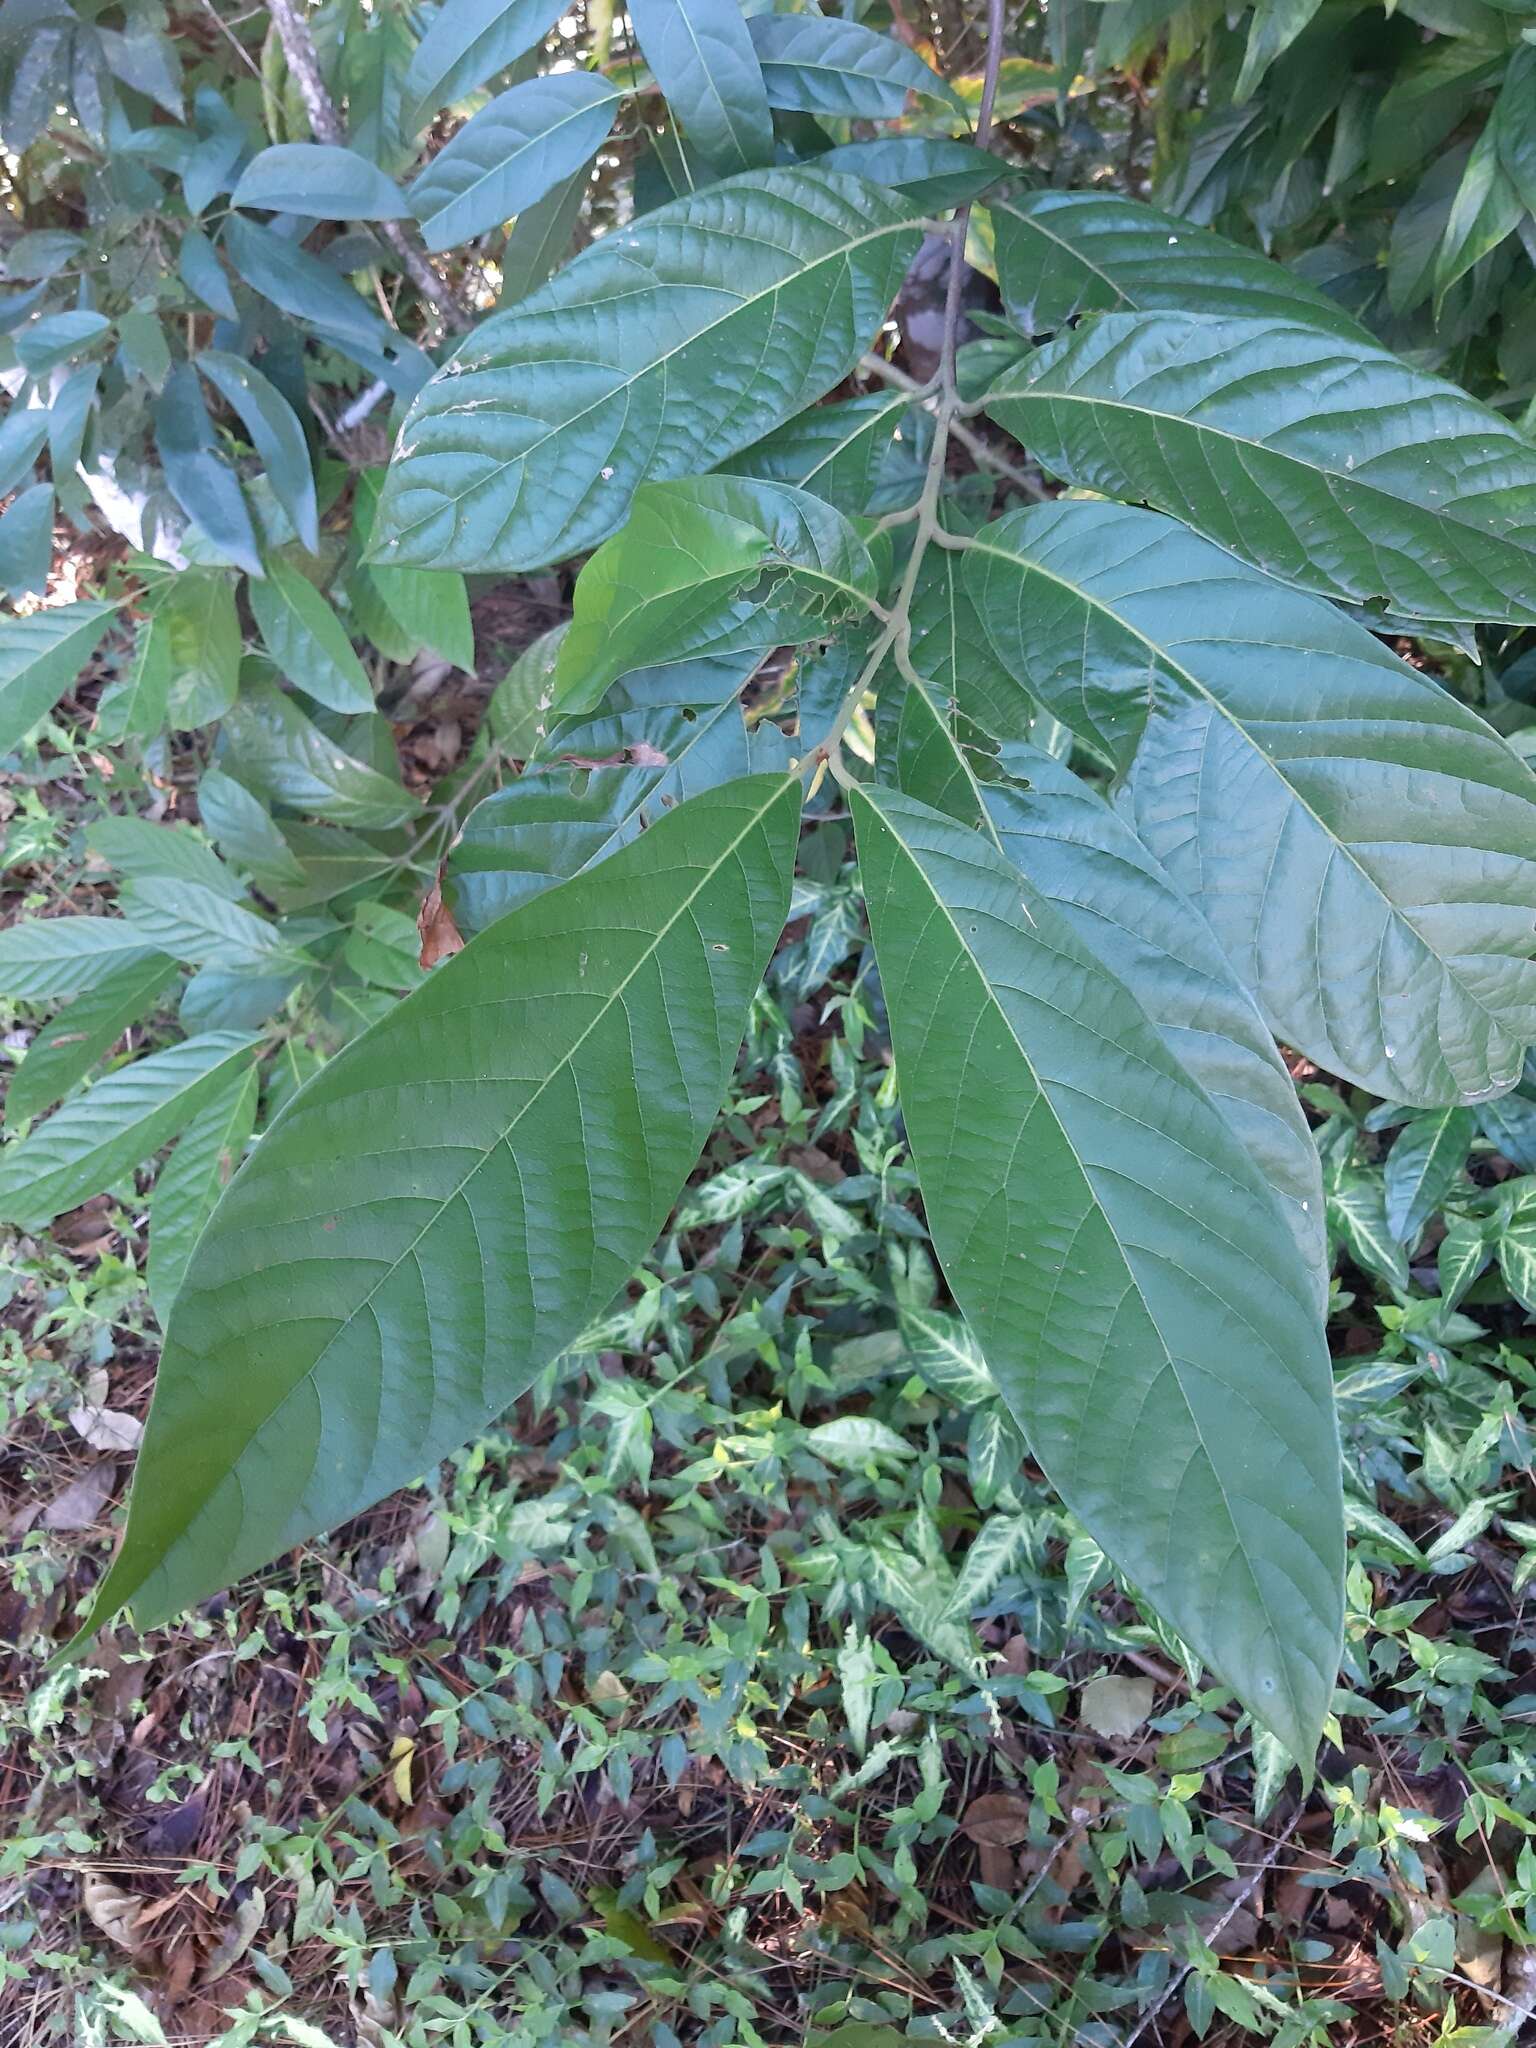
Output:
x=511 y=153
x=716 y=564
x=814 y=64
x=442 y=1210
x=833 y=450
x=702 y=58
x=1064 y=253
x=1363 y=845
x=657 y=352
x=97 y=1137
x=1123 y=1263
x=468 y=42
x=1318 y=458
x=1088 y=863
x=40 y=657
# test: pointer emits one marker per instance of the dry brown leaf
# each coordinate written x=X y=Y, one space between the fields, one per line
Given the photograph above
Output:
x=997 y=1818
x=113 y=1910
x=237 y=1937
x=1115 y=1707
x=79 y=1505
x=106 y=1429
x=440 y=936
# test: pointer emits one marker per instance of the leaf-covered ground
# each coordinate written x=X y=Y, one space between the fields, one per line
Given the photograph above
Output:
x=749 y=1689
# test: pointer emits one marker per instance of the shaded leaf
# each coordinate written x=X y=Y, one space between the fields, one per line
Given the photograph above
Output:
x=40 y=657
x=320 y=179
x=511 y=154
x=69 y=1045
x=307 y=641
x=703 y=59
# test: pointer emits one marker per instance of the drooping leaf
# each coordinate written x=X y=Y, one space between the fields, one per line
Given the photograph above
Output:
x=511 y=154
x=469 y=42
x=97 y=1137
x=65 y=1049
x=1486 y=209
x=702 y=57
x=134 y=706
x=40 y=657
x=192 y=1179
x=320 y=179
x=540 y=237
x=818 y=64
x=1425 y=1162
x=1326 y=462
x=508 y=462
x=203 y=274
x=275 y=434
x=1122 y=1262
x=449 y=1202
x=200 y=480
x=245 y=831
x=285 y=756
x=200 y=629
x=307 y=641
x=1362 y=844
x=421 y=607
x=1274 y=26
x=1085 y=860
x=1514 y=124
x=26 y=542
x=713 y=565
x=1064 y=253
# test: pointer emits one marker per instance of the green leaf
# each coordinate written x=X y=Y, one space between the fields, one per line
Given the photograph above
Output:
x=1357 y=1212
x=681 y=726
x=66 y=1049
x=716 y=564
x=933 y=172
x=511 y=154
x=200 y=480
x=452 y=1199
x=202 y=646
x=193 y=1178
x=702 y=57
x=377 y=51
x=1275 y=25
x=40 y=657
x=468 y=42
x=519 y=707
x=815 y=64
x=833 y=450
x=1486 y=209
x=97 y=1137
x=1085 y=860
x=540 y=237
x=1425 y=1163
x=196 y=923
x=140 y=848
x=1363 y=846
x=26 y=542
x=274 y=431
x=1123 y=1263
x=307 y=641
x=22 y=434
x=1324 y=461
x=299 y=284
x=285 y=756
x=134 y=706
x=1515 y=1248
x=508 y=462
x=143 y=346
x=1514 y=124
x=944 y=1350
x=203 y=274
x=42 y=957
x=321 y=180
x=430 y=607
x=1064 y=253
x=245 y=832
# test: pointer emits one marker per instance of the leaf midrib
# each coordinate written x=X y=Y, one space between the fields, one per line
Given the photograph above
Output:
x=707 y=876
x=1171 y=1357
x=1164 y=658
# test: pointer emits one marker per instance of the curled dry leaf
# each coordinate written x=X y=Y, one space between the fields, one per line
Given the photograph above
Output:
x=237 y=1937
x=440 y=936
x=106 y=1429
x=114 y=1911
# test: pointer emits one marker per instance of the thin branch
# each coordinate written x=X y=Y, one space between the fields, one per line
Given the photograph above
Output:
x=326 y=126
x=1024 y=481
